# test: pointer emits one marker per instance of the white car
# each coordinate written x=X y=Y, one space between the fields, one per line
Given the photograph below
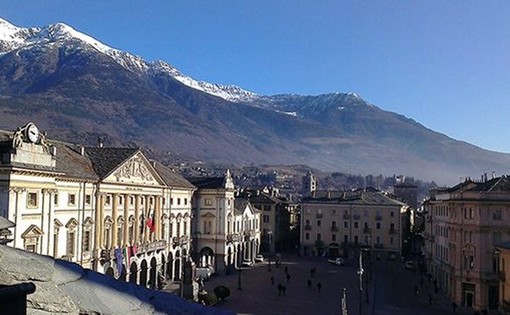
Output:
x=336 y=261
x=259 y=258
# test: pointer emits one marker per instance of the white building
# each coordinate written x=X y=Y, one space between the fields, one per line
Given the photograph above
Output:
x=108 y=209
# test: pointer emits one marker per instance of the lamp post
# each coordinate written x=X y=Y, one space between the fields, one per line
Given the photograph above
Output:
x=239 y=287
x=360 y=272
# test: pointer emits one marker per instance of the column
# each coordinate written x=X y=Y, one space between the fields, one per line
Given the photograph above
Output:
x=115 y=231
x=125 y=238
x=145 y=210
x=157 y=219
x=100 y=221
x=137 y=219
x=97 y=228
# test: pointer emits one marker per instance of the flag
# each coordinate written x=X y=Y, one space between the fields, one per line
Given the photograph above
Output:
x=118 y=257
x=150 y=221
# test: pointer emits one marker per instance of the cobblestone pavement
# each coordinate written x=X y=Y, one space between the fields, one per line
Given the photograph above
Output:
x=390 y=291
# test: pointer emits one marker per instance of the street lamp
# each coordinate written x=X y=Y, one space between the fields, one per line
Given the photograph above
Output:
x=360 y=272
x=239 y=287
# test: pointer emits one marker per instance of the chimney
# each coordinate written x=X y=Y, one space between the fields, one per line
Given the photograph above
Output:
x=82 y=150
x=99 y=142
x=53 y=150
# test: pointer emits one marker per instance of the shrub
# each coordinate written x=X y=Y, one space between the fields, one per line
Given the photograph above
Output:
x=222 y=292
x=208 y=299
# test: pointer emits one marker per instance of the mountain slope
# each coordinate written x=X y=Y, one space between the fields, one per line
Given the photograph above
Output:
x=78 y=89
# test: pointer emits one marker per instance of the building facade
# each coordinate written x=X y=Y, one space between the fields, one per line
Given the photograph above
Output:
x=108 y=209
x=463 y=225
x=226 y=229
x=336 y=224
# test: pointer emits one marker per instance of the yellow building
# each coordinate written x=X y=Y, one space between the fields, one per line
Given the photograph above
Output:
x=338 y=222
x=108 y=209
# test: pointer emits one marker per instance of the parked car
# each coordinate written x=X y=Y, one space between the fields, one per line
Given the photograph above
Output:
x=246 y=263
x=336 y=261
x=259 y=258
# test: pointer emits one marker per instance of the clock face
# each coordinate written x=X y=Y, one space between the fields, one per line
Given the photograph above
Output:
x=33 y=133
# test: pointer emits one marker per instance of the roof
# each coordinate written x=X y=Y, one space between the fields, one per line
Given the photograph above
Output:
x=72 y=163
x=171 y=178
x=208 y=182
x=105 y=160
x=359 y=197
x=496 y=184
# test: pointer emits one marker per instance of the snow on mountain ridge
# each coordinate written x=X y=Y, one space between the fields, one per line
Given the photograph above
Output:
x=13 y=37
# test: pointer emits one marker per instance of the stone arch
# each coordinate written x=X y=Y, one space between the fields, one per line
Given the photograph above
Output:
x=110 y=272
x=133 y=273
x=153 y=272
x=143 y=273
x=177 y=266
x=206 y=256
x=170 y=267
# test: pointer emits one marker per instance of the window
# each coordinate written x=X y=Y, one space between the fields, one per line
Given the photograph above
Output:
x=356 y=239
x=88 y=200
x=496 y=215
x=120 y=200
x=178 y=201
x=32 y=200
x=266 y=218
x=185 y=227
x=333 y=224
x=71 y=200
x=356 y=225
x=378 y=225
x=208 y=201
x=346 y=238
x=108 y=200
x=307 y=222
x=171 y=201
x=55 y=200
x=392 y=214
x=319 y=237
x=132 y=200
x=346 y=224
x=307 y=236
x=86 y=241
x=391 y=240
x=333 y=237
x=318 y=222
x=70 y=243
x=186 y=201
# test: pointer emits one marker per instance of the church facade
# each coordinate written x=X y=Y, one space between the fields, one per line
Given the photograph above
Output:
x=109 y=209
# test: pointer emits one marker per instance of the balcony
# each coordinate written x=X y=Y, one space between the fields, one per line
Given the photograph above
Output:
x=378 y=217
x=318 y=215
x=392 y=231
x=334 y=229
x=149 y=247
x=367 y=230
x=308 y=227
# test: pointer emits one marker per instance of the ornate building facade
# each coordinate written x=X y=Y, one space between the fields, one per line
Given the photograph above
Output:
x=463 y=225
x=108 y=209
x=226 y=229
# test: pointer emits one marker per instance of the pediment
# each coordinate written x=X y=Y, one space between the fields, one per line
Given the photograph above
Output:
x=208 y=215
x=32 y=231
x=136 y=170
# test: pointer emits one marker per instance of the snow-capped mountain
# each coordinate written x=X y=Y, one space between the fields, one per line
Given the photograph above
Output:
x=14 y=38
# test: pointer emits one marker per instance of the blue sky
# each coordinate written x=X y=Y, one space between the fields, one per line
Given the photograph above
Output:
x=445 y=64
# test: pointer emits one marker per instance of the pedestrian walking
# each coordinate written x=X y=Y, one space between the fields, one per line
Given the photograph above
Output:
x=309 y=283
x=280 y=288
x=272 y=280
x=287 y=277
x=454 y=307
x=319 y=286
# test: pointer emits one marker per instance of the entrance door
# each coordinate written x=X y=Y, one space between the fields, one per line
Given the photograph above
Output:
x=468 y=290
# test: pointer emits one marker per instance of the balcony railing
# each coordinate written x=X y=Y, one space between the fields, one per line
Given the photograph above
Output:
x=334 y=229
x=308 y=227
x=149 y=247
